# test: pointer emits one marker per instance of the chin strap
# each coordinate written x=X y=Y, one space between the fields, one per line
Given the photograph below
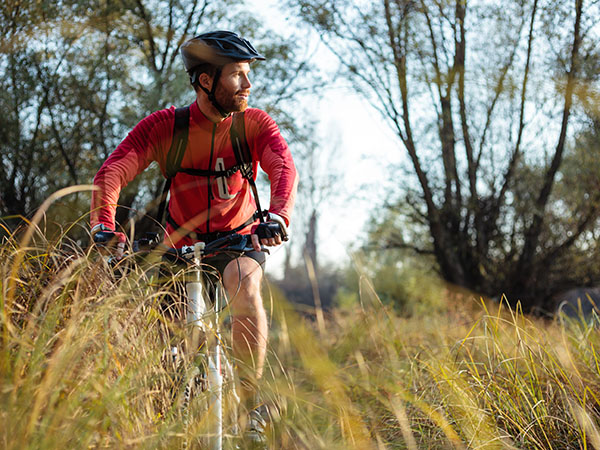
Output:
x=211 y=94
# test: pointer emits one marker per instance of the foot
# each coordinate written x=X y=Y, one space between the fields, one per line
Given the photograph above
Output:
x=255 y=437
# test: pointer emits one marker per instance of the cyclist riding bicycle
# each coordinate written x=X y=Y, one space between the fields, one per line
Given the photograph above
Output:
x=207 y=200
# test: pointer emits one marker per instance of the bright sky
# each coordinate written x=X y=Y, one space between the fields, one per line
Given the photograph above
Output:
x=366 y=150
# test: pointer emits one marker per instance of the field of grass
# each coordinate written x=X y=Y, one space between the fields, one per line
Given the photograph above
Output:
x=80 y=367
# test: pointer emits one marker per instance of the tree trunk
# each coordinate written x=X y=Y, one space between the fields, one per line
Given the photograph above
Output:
x=310 y=245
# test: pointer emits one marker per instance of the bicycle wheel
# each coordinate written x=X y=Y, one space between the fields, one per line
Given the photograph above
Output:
x=208 y=400
x=187 y=409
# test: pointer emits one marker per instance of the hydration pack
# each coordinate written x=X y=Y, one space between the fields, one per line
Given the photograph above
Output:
x=241 y=151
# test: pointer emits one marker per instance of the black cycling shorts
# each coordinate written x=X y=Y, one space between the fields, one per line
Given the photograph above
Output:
x=220 y=261
x=213 y=268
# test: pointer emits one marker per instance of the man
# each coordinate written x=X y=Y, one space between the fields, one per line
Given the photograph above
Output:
x=202 y=208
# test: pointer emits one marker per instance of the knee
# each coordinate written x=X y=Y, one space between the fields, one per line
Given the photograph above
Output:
x=243 y=283
x=245 y=276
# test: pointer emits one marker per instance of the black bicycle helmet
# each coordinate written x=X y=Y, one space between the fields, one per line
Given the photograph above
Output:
x=217 y=48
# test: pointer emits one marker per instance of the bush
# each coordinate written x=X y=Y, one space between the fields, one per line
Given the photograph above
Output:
x=405 y=284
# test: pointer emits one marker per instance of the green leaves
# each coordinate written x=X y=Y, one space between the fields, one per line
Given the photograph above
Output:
x=77 y=75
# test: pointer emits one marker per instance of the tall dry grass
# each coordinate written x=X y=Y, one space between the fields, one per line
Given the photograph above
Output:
x=82 y=366
x=476 y=375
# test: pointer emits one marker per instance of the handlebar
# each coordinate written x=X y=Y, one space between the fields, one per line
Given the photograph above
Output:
x=231 y=243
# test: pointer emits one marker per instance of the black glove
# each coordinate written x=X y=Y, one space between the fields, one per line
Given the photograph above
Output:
x=267 y=230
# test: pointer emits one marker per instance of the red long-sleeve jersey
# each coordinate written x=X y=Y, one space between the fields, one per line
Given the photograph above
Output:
x=198 y=203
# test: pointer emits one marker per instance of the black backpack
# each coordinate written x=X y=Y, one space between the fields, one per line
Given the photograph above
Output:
x=241 y=150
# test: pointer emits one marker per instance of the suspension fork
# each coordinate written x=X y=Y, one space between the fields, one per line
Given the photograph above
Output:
x=197 y=313
x=196 y=303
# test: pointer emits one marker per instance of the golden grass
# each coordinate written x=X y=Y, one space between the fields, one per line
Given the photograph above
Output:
x=478 y=375
x=81 y=366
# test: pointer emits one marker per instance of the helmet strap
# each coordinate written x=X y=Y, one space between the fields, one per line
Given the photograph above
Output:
x=211 y=94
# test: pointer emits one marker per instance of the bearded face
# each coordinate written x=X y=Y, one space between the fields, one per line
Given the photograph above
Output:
x=232 y=100
x=233 y=88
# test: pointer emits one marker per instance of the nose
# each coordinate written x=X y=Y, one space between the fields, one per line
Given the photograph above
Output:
x=246 y=82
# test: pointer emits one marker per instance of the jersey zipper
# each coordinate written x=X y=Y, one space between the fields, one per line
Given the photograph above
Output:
x=212 y=149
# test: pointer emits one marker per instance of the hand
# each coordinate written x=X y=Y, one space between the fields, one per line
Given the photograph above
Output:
x=270 y=242
x=108 y=242
x=267 y=233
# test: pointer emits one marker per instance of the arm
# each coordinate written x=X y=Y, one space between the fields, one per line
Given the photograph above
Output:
x=270 y=149
x=142 y=145
x=272 y=152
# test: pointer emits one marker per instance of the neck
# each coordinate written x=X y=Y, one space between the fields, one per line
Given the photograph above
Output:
x=208 y=109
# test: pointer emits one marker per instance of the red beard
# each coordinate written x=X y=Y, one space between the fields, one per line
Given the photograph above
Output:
x=231 y=102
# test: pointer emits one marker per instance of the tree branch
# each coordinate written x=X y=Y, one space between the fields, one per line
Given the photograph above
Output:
x=581 y=227
x=517 y=151
x=400 y=65
x=149 y=35
x=533 y=232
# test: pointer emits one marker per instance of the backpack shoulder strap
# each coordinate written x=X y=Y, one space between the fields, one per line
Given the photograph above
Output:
x=239 y=142
x=181 y=127
x=243 y=156
x=179 y=142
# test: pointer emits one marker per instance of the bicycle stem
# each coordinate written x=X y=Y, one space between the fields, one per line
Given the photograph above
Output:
x=198 y=248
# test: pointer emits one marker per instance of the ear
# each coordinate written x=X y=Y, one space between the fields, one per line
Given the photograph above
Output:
x=205 y=80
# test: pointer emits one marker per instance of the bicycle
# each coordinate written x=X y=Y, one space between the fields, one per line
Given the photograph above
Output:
x=204 y=375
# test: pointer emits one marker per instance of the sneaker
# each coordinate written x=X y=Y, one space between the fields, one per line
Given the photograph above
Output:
x=255 y=436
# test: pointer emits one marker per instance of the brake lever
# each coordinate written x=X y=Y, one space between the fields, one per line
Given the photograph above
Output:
x=150 y=241
x=246 y=246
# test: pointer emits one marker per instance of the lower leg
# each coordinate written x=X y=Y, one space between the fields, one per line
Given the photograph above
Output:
x=242 y=280
x=249 y=349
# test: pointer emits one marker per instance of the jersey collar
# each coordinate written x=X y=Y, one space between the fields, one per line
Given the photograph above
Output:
x=202 y=121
